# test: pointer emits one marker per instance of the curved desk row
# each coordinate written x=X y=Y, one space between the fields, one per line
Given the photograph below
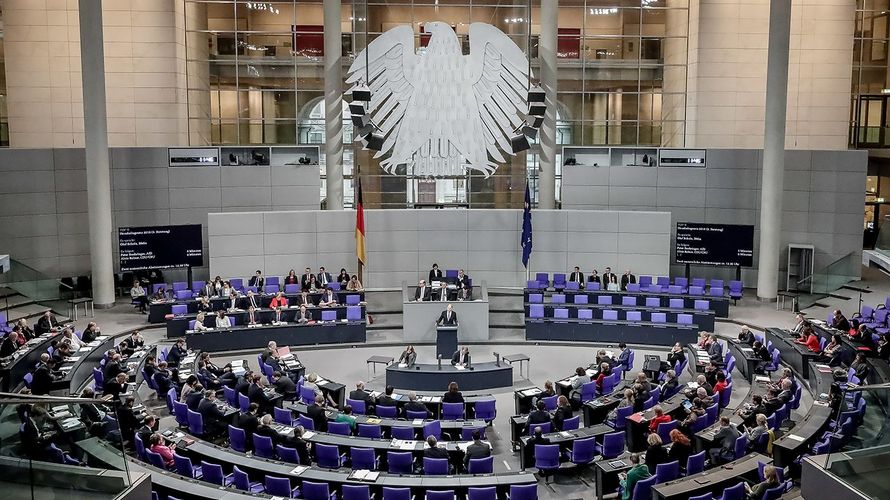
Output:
x=177 y=326
x=807 y=431
x=23 y=361
x=258 y=467
x=451 y=427
x=242 y=338
x=158 y=311
x=720 y=305
x=611 y=332
x=704 y=319
x=479 y=377
x=77 y=373
x=712 y=481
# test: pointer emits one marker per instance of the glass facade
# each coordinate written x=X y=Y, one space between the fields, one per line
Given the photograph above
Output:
x=871 y=75
x=255 y=76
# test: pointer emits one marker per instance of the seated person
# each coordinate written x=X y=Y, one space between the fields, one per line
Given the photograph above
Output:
x=156 y=445
x=838 y=321
x=386 y=398
x=199 y=323
x=762 y=353
x=10 y=345
x=539 y=415
x=279 y=301
x=754 y=433
x=775 y=400
x=657 y=419
x=232 y=302
x=750 y=411
x=721 y=384
x=861 y=367
x=248 y=420
x=188 y=388
x=537 y=438
x=292 y=278
x=162 y=378
x=131 y=344
x=578 y=380
x=697 y=411
x=251 y=300
x=303 y=316
x=328 y=299
x=347 y=417
x=461 y=357
x=408 y=356
x=862 y=335
x=264 y=428
x=278 y=316
x=360 y=394
x=317 y=413
x=138 y=295
x=284 y=385
x=214 y=419
x=746 y=337
x=670 y=385
x=636 y=473
x=270 y=356
x=770 y=480
x=577 y=276
x=883 y=349
x=442 y=292
x=413 y=405
x=628 y=400
x=656 y=453
x=194 y=398
x=605 y=371
x=310 y=381
x=354 y=285
x=222 y=321
x=476 y=449
x=453 y=395
x=422 y=292
x=674 y=356
x=563 y=412
x=833 y=352
x=434 y=451
x=256 y=394
x=465 y=294
x=602 y=357
x=681 y=448
x=725 y=437
x=811 y=340
x=116 y=386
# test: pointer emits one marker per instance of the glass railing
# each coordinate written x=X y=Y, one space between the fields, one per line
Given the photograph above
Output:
x=47 y=449
x=872 y=137
x=830 y=278
x=32 y=283
x=861 y=458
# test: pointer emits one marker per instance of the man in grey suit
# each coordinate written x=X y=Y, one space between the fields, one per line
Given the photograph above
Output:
x=725 y=440
x=477 y=449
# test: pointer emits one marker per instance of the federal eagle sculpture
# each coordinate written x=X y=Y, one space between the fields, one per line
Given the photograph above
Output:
x=441 y=112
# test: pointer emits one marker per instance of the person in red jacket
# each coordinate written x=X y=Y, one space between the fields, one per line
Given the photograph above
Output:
x=811 y=340
x=658 y=418
x=279 y=301
x=721 y=383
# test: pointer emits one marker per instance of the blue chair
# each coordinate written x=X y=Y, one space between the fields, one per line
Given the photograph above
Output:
x=328 y=456
x=481 y=465
x=588 y=391
x=413 y=415
x=195 y=422
x=140 y=447
x=369 y=431
x=433 y=428
x=573 y=423
x=237 y=439
x=695 y=463
x=287 y=454
x=363 y=458
x=583 y=451
x=358 y=406
x=262 y=446
x=155 y=460
x=667 y=472
x=317 y=491
x=523 y=492
x=307 y=396
x=213 y=473
x=356 y=492
x=621 y=415
x=435 y=466
x=400 y=462
x=387 y=411
x=664 y=430
x=545 y=427
x=550 y=402
x=185 y=468
x=441 y=495
x=546 y=458
x=775 y=493
x=397 y=432
x=307 y=423
x=280 y=487
x=396 y=493
x=489 y=493
x=242 y=481
x=98 y=380
x=485 y=410
x=243 y=402
x=736 y=492
x=466 y=433
x=643 y=489
x=341 y=428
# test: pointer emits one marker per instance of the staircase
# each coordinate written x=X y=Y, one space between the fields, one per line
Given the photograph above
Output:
x=826 y=281
x=23 y=291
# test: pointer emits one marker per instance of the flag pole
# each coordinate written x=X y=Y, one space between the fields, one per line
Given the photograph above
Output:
x=359 y=205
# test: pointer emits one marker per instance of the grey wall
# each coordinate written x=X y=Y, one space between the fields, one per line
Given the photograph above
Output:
x=402 y=244
x=823 y=202
x=43 y=199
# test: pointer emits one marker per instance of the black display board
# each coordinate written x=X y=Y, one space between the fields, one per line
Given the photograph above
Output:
x=715 y=244
x=160 y=247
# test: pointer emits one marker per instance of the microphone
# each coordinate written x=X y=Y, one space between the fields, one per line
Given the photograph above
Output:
x=439 y=360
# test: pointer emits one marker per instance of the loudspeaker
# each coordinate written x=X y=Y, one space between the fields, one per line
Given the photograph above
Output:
x=536 y=109
x=361 y=121
x=530 y=132
x=357 y=108
x=519 y=143
x=536 y=94
x=361 y=92
x=372 y=141
x=536 y=121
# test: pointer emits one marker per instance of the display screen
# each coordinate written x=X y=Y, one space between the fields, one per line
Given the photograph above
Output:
x=715 y=244
x=160 y=247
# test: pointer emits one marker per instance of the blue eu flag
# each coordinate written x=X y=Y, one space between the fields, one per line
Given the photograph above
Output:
x=526 y=241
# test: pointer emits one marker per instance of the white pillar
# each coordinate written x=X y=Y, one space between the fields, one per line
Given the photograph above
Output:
x=547 y=59
x=333 y=105
x=773 y=149
x=95 y=126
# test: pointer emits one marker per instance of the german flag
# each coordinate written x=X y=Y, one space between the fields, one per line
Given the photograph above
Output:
x=359 y=224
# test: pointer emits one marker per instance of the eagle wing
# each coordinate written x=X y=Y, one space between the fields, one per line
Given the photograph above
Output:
x=390 y=73
x=499 y=72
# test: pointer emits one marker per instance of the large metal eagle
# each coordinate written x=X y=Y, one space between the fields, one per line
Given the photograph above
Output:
x=440 y=111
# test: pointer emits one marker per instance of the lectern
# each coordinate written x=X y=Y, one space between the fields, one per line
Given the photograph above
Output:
x=446 y=341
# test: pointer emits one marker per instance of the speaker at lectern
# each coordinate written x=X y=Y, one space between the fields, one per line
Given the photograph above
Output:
x=446 y=333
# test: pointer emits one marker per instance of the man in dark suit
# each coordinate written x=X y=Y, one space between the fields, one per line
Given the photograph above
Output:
x=448 y=317
x=303 y=316
x=148 y=428
x=43 y=376
x=837 y=321
x=62 y=353
x=724 y=438
x=316 y=412
x=416 y=406
x=607 y=276
x=386 y=399
x=194 y=398
x=422 y=293
x=116 y=386
x=244 y=383
x=306 y=279
x=248 y=420
x=577 y=276
x=46 y=323
x=10 y=345
x=256 y=395
x=177 y=352
x=323 y=277
x=435 y=273
x=251 y=300
x=257 y=280
x=462 y=279
x=477 y=449
x=715 y=350
x=537 y=438
x=113 y=367
x=359 y=394
x=461 y=357
x=626 y=278
x=284 y=385
x=434 y=451
x=214 y=419
x=208 y=291
x=539 y=415
x=162 y=378
x=624 y=355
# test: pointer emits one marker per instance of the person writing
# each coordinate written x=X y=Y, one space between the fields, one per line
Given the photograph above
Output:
x=408 y=356
x=461 y=357
x=811 y=340
x=448 y=317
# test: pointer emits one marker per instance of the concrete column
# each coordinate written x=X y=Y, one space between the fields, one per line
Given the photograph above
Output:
x=547 y=59
x=95 y=126
x=773 y=149
x=333 y=105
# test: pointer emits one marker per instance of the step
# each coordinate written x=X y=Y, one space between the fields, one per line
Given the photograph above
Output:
x=28 y=311
x=7 y=292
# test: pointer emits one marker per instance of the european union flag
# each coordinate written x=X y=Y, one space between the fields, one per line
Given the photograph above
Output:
x=526 y=241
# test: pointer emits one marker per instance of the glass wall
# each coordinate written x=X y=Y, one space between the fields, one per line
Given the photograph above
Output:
x=871 y=83
x=255 y=76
